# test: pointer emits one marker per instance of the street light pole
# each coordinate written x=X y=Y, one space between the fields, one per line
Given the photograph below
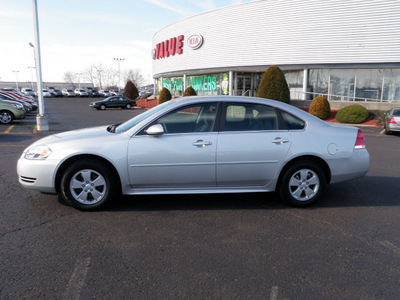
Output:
x=41 y=119
x=31 y=75
x=119 y=73
x=16 y=78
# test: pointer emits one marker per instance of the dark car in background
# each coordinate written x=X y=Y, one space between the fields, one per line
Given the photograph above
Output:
x=113 y=102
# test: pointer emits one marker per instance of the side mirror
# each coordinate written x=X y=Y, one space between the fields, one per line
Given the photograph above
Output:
x=156 y=129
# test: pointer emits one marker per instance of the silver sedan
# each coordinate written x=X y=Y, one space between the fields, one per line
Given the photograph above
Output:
x=215 y=144
x=392 y=120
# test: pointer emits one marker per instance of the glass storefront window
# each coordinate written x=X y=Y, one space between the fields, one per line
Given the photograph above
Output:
x=369 y=84
x=391 y=85
x=318 y=81
x=341 y=85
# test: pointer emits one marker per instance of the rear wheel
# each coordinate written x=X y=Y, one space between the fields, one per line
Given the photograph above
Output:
x=128 y=106
x=6 y=117
x=302 y=183
x=88 y=185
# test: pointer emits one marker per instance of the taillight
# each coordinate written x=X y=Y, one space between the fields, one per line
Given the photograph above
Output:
x=392 y=121
x=360 y=141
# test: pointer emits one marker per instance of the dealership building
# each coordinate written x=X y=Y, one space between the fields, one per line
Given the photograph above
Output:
x=346 y=50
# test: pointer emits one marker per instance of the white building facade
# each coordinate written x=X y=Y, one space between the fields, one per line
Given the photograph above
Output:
x=344 y=49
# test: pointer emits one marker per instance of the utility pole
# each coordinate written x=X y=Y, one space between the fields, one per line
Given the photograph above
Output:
x=119 y=72
x=41 y=119
x=16 y=78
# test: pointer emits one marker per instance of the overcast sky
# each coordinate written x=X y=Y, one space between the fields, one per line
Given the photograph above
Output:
x=75 y=34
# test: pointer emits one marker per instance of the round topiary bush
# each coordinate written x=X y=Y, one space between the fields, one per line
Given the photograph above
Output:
x=189 y=92
x=165 y=95
x=320 y=108
x=273 y=85
x=353 y=114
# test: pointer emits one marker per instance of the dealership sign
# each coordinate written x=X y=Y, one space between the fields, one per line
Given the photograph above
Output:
x=195 y=41
x=174 y=46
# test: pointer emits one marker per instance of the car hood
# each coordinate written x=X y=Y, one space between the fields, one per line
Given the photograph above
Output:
x=79 y=134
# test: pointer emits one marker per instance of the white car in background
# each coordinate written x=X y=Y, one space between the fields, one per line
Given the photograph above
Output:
x=81 y=93
x=68 y=93
x=215 y=144
x=28 y=92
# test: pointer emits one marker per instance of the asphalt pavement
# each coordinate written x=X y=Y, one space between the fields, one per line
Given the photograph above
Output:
x=229 y=246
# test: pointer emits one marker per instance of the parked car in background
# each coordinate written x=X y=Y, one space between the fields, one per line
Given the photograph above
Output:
x=105 y=93
x=81 y=93
x=10 y=110
x=56 y=93
x=392 y=120
x=113 y=102
x=114 y=92
x=68 y=93
x=45 y=92
x=28 y=92
x=8 y=96
x=215 y=144
x=21 y=97
x=94 y=93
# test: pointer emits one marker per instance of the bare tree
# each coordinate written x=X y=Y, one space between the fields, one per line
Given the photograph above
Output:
x=135 y=76
x=89 y=74
x=70 y=77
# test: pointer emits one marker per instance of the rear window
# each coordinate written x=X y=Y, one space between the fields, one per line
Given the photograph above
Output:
x=396 y=113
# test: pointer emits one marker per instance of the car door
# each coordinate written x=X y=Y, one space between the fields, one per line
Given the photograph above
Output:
x=251 y=149
x=183 y=157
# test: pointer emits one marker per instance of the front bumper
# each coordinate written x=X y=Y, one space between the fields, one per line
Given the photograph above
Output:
x=37 y=175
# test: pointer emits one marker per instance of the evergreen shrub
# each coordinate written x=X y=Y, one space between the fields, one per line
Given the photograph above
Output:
x=189 y=92
x=165 y=95
x=320 y=108
x=130 y=90
x=273 y=85
x=353 y=114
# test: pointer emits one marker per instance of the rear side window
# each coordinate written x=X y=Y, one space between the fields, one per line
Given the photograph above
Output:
x=250 y=117
x=292 y=122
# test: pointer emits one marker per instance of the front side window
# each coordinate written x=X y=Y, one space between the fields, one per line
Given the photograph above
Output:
x=193 y=118
x=250 y=117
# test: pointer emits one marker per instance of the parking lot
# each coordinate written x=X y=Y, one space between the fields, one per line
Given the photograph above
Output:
x=229 y=246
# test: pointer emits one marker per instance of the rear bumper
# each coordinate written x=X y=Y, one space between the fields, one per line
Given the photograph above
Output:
x=354 y=167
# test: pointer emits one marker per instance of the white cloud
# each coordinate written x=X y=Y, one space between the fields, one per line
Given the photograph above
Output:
x=167 y=5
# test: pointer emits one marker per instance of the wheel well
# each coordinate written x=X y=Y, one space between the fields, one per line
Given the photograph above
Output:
x=324 y=166
x=73 y=159
x=9 y=111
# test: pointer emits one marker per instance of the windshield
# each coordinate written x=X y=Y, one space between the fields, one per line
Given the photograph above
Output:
x=136 y=120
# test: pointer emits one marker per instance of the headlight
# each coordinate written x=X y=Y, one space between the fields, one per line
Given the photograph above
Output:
x=17 y=105
x=37 y=152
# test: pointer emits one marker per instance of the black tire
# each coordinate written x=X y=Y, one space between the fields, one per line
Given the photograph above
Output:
x=102 y=107
x=6 y=117
x=88 y=185
x=128 y=106
x=388 y=132
x=302 y=184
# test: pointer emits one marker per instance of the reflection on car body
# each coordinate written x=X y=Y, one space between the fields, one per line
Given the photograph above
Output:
x=215 y=144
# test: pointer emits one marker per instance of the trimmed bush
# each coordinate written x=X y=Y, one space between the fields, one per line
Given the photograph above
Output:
x=165 y=95
x=273 y=85
x=189 y=92
x=353 y=114
x=320 y=108
x=130 y=90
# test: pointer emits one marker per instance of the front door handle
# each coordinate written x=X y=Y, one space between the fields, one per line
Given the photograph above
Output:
x=201 y=143
x=280 y=141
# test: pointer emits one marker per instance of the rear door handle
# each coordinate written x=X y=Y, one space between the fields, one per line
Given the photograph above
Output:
x=280 y=141
x=201 y=143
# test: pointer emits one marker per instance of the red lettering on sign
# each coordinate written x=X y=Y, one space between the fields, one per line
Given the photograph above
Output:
x=169 y=47
x=172 y=46
x=179 y=45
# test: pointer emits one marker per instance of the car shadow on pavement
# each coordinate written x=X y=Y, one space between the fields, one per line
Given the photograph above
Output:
x=369 y=191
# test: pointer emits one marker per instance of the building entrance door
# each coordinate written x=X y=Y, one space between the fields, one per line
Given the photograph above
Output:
x=244 y=85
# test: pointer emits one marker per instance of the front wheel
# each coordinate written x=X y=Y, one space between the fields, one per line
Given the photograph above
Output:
x=88 y=185
x=302 y=184
x=6 y=117
x=102 y=107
